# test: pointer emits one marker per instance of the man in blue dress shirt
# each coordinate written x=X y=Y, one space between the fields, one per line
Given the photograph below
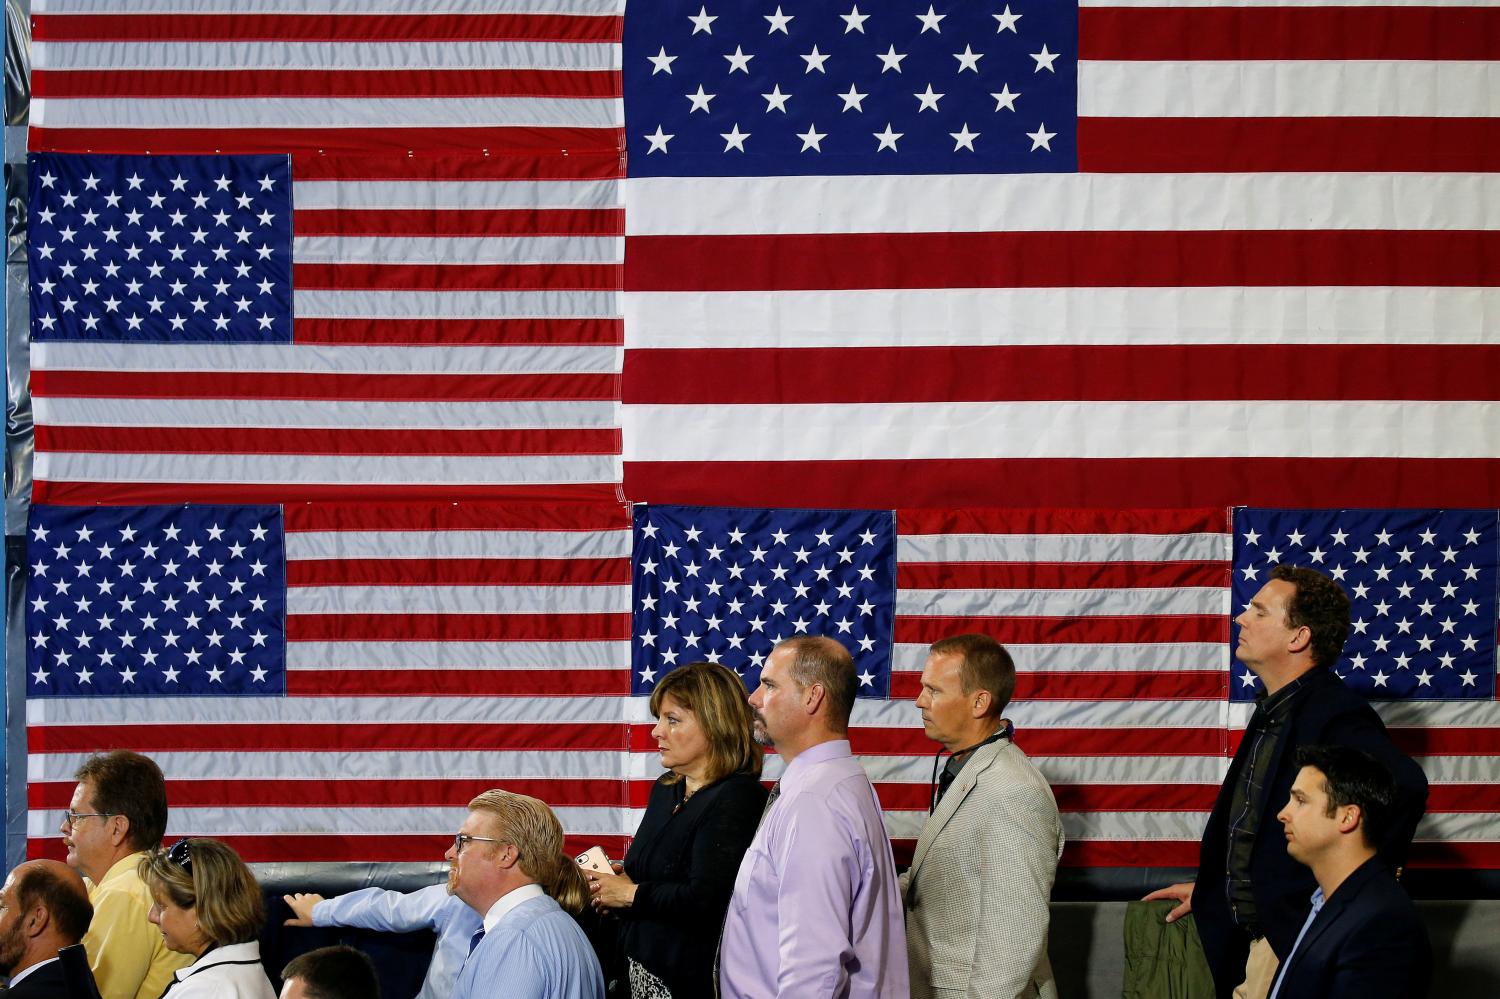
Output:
x=528 y=948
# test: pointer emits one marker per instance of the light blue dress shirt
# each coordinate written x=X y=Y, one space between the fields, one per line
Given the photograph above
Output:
x=534 y=950
x=431 y=908
x=1317 y=907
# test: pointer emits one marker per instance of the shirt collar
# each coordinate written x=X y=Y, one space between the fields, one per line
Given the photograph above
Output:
x=17 y=979
x=823 y=752
x=227 y=954
x=1278 y=703
x=509 y=901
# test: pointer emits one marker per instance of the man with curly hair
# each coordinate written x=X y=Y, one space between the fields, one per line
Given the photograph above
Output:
x=1250 y=898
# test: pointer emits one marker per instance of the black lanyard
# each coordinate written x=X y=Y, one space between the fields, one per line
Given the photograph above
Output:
x=1005 y=731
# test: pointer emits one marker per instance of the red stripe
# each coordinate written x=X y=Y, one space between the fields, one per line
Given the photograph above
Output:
x=400 y=793
x=342 y=847
x=435 y=516
x=1130 y=853
x=87 y=493
x=224 y=83
x=457 y=627
x=1463 y=798
x=497 y=140
x=1077 y=685
x=1179 y=34
x=296 y=737
x=746 y=376
x=460 y=332
x=381 y=27
x=1330 y=481
x=1454 y=741
x=284 y=440
x=1070 y=797
x=458 y=222
x=1036 y=742
x=545 y=164
x=303 y=385
x=1280 y=145
x=458 y=277
x=457 y=571
x=1470 y=856
x=561 y=681
x=1271 y=258
x=1016 y=519
x=1049 y=630
x=1057 y=575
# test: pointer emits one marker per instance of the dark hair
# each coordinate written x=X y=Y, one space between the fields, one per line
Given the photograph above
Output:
x=334 y=973
x=985 y=666
x=823 y=660
x=129 y=784
x=716 y=697
x=67 y=903
x=1354 y=777
x=1321 y=605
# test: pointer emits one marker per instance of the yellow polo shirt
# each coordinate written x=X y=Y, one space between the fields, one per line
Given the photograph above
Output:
x=125 y=950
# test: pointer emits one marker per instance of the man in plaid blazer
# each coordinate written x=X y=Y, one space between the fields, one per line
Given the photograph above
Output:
x=977 y=893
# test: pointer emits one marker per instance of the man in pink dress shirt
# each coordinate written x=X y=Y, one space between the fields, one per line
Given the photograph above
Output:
x=816 y=911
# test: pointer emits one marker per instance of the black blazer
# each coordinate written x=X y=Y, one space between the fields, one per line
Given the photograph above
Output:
x=684 y=867
x=1367 y=942
x=44 y=983
x=1327 y=713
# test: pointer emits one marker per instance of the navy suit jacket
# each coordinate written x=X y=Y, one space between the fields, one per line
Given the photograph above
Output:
x=43 y=983
x=1327 y=713
x=1367 y=942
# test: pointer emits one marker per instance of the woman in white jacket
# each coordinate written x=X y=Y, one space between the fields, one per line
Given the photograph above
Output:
x=208 y=906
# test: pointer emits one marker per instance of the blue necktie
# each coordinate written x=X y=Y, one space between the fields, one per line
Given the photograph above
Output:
x=474 y=940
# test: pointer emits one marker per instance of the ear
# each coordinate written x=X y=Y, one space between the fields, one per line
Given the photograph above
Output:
x=813 y=696
x=37 y=920
x=119 y=829
x=1350 y=818
x=510 y=856
x=1300 y=641
x=979 y=703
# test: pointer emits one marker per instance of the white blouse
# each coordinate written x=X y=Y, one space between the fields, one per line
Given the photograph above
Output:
x=229 y=972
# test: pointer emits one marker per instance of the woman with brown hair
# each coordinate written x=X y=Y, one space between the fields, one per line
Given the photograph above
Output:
x=208 y=906
x=677 y=877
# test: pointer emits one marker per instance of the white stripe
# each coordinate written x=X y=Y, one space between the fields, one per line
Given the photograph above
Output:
x=325 y=359
x=1056 y=714
x=1105 y=826
x=1143 y=601
x=1061 y=429
x=302 y=820
x=151 y=56
x=474 y=250
x=913 y=548
x=1059 y=770
x=1409 y=714
x=372 y=304
x=1270 y=89
x=444 y=764
x=475 y=599
x=1458 y=769
x=456 y=655
x=427 y=545
x=304 y=112
x=1085 y=658
x=64 y=411
x=1044 y=202
x=976 y=317
x=470 y=195
x=251 y=711
x=63 y=466
x=594 y=7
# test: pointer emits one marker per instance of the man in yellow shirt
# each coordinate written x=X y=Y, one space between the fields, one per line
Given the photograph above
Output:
x=118 y=812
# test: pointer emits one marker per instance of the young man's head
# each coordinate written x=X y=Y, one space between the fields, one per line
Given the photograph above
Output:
x=330 y=973
x=1340 y=805
x=1297 y=621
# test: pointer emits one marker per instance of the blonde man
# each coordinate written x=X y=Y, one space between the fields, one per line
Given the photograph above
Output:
x=507 y=864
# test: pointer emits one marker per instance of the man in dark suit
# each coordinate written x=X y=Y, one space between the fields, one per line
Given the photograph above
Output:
x=1250 y=898
x=44 y=907
x=1363 y=936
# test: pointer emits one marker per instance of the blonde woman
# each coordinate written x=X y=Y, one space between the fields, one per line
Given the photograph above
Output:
x=208 y=907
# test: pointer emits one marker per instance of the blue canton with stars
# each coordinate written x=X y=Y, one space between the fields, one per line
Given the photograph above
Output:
x=161 y=249
x=724 y=585
x=163 y=600
x=1422 y=584
x=792 y=87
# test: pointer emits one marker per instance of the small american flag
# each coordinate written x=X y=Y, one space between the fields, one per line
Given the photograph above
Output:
x=725 y=585
x=1422 y=584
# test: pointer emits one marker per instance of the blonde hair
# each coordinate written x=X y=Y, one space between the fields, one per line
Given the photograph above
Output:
x=219 y=887
x=530 y=826
x=716 y=697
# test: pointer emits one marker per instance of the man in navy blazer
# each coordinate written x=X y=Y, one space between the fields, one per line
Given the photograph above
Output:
x=1363 y=936
x=1250 y=897
x=44 y=907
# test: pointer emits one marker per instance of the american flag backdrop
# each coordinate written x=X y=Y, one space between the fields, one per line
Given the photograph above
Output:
x=979 y=263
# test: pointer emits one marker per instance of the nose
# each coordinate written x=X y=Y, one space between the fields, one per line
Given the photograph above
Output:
x=450 y=854
x=922 y=699
x=153 y=915
x=658 y=730
x=756 y=699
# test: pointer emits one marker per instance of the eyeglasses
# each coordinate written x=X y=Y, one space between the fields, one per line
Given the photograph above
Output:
x=71 y=818
x=179 y=855
x=464 y=839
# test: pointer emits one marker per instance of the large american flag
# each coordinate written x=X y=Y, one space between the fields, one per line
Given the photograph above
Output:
x=1251 y=237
